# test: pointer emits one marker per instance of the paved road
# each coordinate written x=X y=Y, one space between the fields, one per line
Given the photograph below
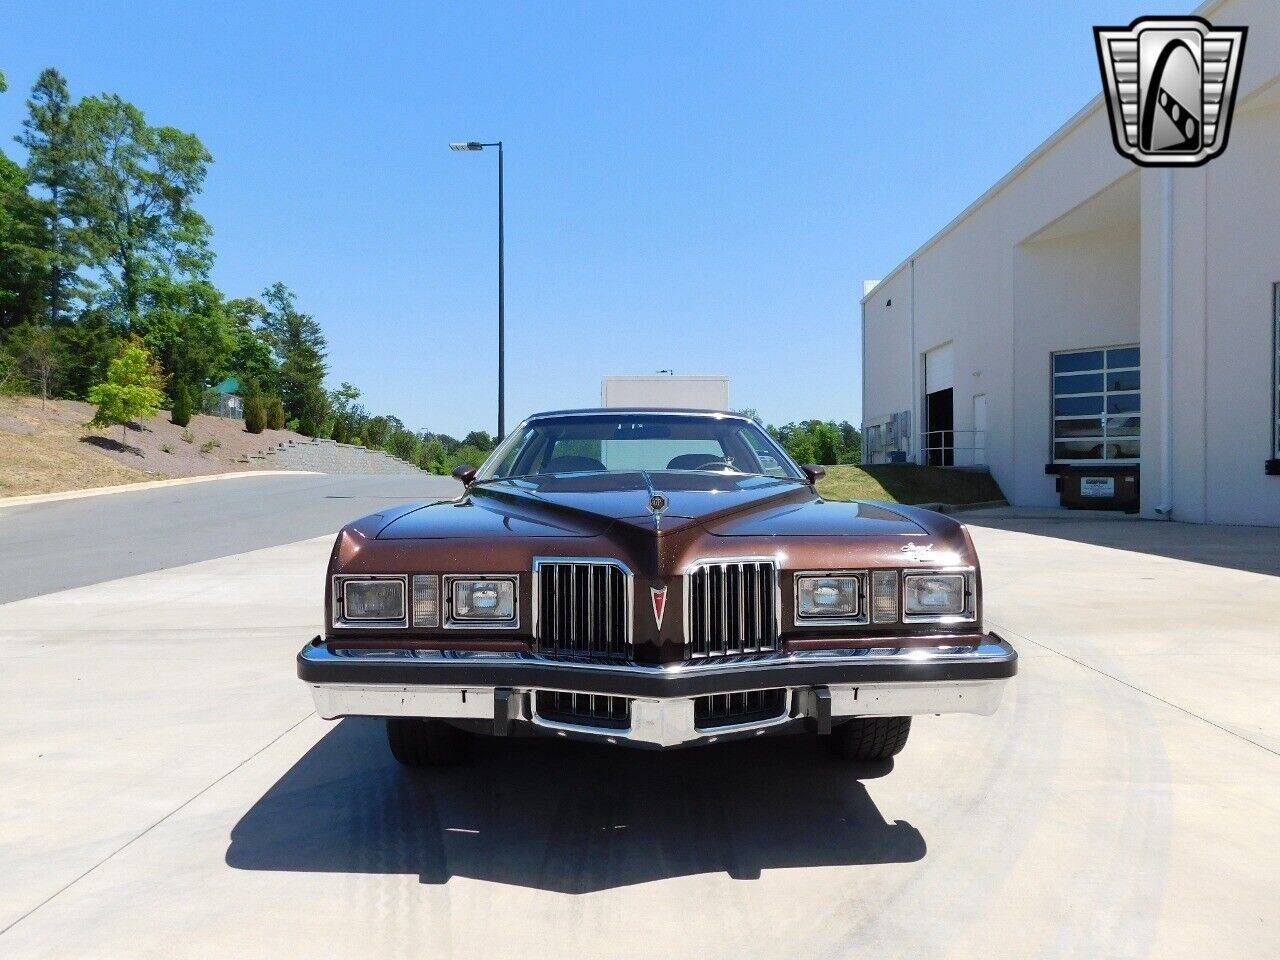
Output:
x=167 y=792
x=69 y=543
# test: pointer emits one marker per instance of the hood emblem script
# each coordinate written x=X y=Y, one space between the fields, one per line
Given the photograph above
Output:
x=918 y=553
x=659 y=598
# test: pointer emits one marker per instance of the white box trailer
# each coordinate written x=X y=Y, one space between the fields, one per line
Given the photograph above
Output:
x=661 y=390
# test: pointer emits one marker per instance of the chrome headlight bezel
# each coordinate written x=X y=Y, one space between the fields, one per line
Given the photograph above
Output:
x=455 y=621
x=339 y=615
x=967 y=612
x=857 y=617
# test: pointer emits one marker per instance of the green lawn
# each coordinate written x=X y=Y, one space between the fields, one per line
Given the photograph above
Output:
x=908 y=483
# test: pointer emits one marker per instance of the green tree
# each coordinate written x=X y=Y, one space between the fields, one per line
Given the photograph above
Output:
x=51 y=141
x=376 y=432
x=480 y=439
x=341 y=429
x=275 y=413
x=24 y=248
x=251 y=357
x=134 y=186
x=299 y=346
x=184 y=324
x=87 y=347
x=255 y=415
x=403 y=444
x=180 y=413
x=133 y=388
x=313 y=411
x=431 y=456
x=466 y=454
x=36 y=349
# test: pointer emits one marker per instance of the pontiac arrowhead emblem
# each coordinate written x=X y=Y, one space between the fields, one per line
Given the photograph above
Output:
x=659 y=598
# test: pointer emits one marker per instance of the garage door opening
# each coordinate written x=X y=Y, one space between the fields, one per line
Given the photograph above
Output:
x=939 y=408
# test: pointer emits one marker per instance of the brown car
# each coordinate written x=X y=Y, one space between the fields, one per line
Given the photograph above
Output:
x=654 y=578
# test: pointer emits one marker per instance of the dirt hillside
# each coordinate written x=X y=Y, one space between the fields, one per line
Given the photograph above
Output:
x=50 y=449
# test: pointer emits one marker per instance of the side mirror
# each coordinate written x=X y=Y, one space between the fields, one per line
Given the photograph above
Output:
x=464 y=472
x=814 y=473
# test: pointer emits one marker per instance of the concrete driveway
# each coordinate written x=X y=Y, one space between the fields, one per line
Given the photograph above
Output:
x=165 y=791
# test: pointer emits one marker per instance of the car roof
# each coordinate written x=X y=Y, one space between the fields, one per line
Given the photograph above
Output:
x=638 y=411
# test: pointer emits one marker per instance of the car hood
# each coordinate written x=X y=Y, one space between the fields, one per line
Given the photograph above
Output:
x=585 y=505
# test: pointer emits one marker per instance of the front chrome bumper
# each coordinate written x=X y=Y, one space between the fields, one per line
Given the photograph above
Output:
x=496 y=691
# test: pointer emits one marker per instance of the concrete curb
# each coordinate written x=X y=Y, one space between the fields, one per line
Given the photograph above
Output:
x=961 y=507
x=146 y=485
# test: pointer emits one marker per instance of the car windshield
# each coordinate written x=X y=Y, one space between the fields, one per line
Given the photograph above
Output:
x=601 y=443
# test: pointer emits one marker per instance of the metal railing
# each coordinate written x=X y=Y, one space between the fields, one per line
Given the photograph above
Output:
x=953 y=448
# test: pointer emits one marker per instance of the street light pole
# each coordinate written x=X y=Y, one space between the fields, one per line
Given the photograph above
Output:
x=502 y=320
x=472 y=145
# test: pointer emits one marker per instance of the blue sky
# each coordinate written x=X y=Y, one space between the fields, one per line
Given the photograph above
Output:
x=699 y=186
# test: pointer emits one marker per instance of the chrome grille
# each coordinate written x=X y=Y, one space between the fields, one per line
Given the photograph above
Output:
x=583 y=608
x=730 y=709
x=731 y=607
x=584 y=709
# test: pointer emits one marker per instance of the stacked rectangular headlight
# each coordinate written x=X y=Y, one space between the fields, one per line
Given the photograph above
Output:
x=936 y=594
x=373 y=600
x=482 y=601
x=828 y=597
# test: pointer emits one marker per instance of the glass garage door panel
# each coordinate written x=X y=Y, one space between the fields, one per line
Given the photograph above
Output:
x=1097 y=405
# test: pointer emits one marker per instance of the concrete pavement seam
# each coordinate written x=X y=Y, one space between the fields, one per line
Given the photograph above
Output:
x=1124 y=683
x=132 y=840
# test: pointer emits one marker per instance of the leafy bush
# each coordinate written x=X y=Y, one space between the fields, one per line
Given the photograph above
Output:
x=166 y=448
x=275 y=413
x=255 y=417
x=188 y=436
x=180 y=415
x=208 y=445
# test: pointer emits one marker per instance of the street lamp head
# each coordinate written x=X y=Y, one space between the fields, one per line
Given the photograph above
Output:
x=471 y=145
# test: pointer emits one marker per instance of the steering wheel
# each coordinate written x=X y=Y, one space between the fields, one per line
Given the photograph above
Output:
x=712 y=463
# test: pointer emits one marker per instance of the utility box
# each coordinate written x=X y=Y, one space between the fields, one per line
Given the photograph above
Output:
x=1099 y=488
x=692 y=392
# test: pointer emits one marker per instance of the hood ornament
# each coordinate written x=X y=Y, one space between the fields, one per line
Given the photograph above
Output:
x=657 y=504
x=659 y=598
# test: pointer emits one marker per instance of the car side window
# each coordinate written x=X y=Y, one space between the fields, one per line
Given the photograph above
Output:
x=765 y=458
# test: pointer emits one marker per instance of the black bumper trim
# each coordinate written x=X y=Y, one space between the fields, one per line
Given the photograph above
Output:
x=995 y=659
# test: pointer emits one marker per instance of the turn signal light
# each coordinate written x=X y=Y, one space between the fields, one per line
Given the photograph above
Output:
x=426 y=600
x=884 y=596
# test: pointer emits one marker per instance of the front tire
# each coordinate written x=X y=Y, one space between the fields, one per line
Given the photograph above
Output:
x=419 y=742
x=870 y=738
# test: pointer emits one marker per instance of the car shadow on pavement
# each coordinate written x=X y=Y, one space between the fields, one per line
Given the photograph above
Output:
x=569 y=817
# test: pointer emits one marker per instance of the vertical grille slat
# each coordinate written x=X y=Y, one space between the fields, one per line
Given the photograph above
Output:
x=728 y=709
x=732 y=608
x=583 y=610
x=583 y=709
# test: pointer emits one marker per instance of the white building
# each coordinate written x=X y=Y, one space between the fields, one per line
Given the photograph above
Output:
x=663 y=390
x=1089 y=321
